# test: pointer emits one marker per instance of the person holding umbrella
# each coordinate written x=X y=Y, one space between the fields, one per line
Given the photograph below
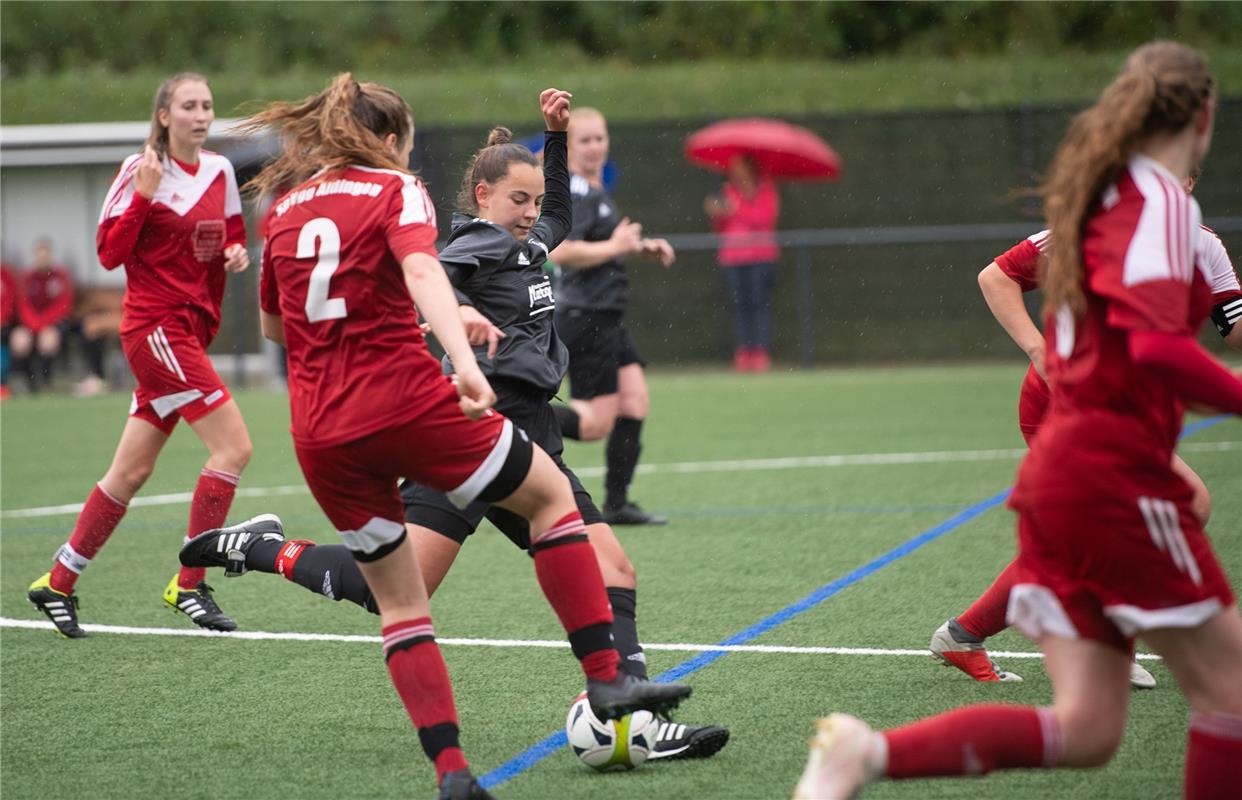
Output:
x=753 y=153
x=744 y=213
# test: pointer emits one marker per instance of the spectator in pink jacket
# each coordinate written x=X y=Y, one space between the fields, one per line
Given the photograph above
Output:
x=744 y=213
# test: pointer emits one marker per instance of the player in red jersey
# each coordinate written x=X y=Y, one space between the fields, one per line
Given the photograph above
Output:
x=959 y=641
x=347 y=248
x=44 y=303
x=1108 y=545
x=173 y=219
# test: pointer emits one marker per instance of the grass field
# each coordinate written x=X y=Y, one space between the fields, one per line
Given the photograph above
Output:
x=146 y=716
x=660 y=90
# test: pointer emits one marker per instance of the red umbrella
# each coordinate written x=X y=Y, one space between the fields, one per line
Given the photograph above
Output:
x=782 y=151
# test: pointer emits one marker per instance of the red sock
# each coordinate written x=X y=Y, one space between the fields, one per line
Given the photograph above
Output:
x=1214 y=757
x=98 y=519
x=569 y=575
x=208 y=509
x=422 y=681
x=974 y=740
x=987 y=616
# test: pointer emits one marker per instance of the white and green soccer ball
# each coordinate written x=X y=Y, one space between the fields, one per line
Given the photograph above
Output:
x=624 y=743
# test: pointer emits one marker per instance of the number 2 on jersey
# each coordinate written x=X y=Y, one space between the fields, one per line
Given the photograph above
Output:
x=322 y=231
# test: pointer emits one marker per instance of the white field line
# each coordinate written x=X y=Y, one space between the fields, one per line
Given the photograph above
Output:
x=682 y=647
x=682 y=468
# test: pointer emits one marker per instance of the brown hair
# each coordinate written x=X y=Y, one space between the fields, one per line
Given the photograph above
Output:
x=491 y=164
x=158 y=137
x=1159 y=89
x=342 y=125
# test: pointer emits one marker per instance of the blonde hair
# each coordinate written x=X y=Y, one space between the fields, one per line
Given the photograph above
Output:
x=1159 y=89
x=342 y=125
x=157 y=139
x=491 y=164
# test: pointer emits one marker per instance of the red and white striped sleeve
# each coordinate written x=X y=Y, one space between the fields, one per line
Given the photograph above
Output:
x=1021 y=262
x=120 y=221
x=411 y=224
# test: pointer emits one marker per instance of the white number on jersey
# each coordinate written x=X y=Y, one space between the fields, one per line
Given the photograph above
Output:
x=321 y=231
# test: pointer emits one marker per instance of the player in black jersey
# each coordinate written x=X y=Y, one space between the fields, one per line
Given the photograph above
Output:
x=494 y=258
x=607 y=386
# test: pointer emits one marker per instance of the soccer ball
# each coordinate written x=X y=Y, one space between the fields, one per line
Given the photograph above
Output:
x=617 y=744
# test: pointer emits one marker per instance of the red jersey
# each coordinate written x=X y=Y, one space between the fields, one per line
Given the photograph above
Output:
x=45 y=297
x=8 y=296
x=747 y=236
x=172 y=246
x=358 y=362
x=1140 y=274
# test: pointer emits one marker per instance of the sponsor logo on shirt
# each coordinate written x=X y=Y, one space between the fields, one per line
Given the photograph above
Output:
x=540 y=293
x=208 y=239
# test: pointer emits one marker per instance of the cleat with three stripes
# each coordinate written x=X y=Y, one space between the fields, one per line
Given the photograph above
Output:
x=676 y=741
x=227 y=547
x=61 y=609
x=198 y=605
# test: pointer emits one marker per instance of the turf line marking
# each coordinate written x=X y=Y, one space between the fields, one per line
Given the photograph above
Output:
x=681 y=468
x=542 y=644
x=557 y=741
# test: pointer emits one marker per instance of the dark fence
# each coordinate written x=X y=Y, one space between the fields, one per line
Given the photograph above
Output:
x=879 y=265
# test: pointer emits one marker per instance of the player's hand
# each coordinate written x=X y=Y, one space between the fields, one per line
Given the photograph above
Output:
x=1037 y=360
x=660 y=250
x=477 y=397
x=554 y=104
x=627 y=237
x=236 y=259
x=480 y=330
x=150 y=173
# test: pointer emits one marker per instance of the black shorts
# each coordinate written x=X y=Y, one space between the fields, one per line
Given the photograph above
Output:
x=599 y=344
x=527 y=407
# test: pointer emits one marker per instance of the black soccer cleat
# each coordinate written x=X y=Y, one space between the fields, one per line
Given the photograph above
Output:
x=631 y=514
x=61 y=609
x=674 y=741
x=198 y=605
x=461 y=785
x=227 y=547
x=626 y=694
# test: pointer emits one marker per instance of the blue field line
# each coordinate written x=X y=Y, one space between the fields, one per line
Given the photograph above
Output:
x=546 y=747
x=556 y=741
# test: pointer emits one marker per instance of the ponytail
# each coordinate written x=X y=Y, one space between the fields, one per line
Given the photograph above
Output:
x=1158 y=90
x=342 y=125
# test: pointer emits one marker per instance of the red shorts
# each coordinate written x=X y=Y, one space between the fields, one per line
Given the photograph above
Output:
x=356 y=483
x=1032 y=404
x=1110 y=566
x=175 y=376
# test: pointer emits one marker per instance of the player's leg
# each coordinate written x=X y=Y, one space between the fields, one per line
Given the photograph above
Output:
x=46 y=351
x=134 y=460
x=1201 y=503
x=959 y=641
x=591 y=339
x=21 y=348
x=625 y=442
x=1082 y=729
x=1206 y=661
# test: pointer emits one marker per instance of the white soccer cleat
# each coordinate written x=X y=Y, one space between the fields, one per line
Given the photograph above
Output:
x=1141 y=678
x=970 y=657
x=837 y=767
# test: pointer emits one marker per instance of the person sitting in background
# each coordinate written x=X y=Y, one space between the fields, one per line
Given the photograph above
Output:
x=44 y=300
x=97 y=321
x=8 y=318
x=744 y=213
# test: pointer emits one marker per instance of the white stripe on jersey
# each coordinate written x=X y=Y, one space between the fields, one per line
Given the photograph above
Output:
x=1041 y=240
x=1164 y=241
x=1213 y=261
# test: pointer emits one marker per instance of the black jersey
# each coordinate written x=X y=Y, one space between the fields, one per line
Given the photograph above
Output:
x=504 y=279
x=605 y=287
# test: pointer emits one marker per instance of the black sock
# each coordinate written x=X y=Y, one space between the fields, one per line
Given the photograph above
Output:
x=625 y=631
x=326 y=569
x=569 y=421
x=621 y=459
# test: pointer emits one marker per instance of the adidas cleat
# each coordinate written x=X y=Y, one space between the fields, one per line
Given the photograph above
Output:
x=626 y=694
x=1141 y=678
x=462 y=785
x=227 y=547
x=198 y=605
x=61 y=609
x=674 y=741
x=837 y=767
x=952 y=646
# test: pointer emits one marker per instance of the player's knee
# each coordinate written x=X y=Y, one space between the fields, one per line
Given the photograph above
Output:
x=595 y=426
x=623 y=571
x=133 y=477
x=635 y=406
x=1091 y=738
x=1201 y=505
